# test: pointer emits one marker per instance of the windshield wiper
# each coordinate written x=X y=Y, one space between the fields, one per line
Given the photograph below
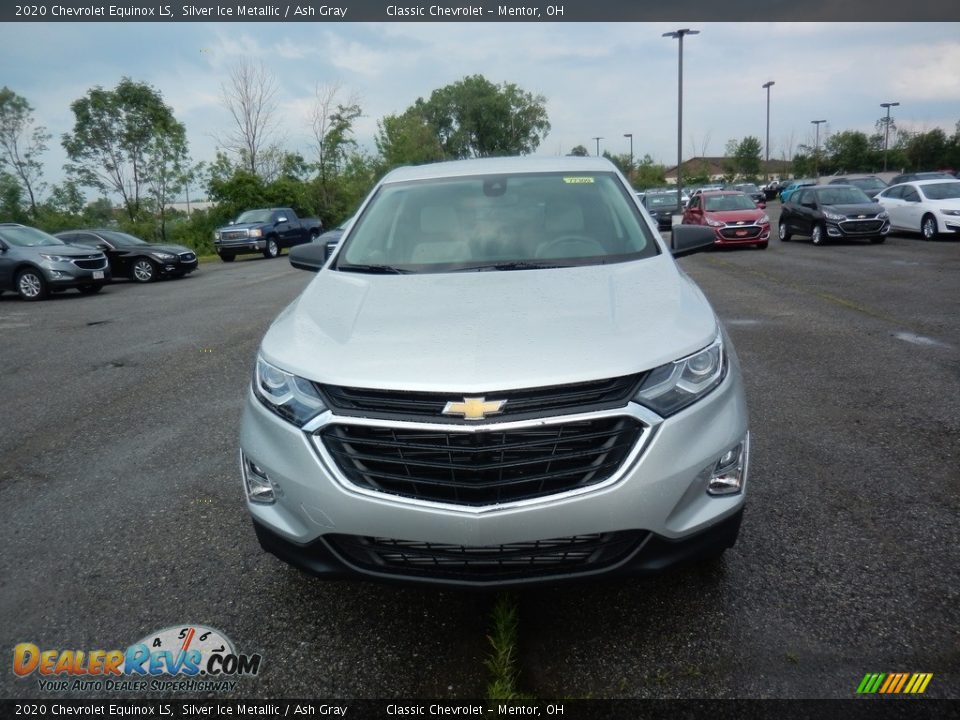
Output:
x=515 y=265
x=374 y=269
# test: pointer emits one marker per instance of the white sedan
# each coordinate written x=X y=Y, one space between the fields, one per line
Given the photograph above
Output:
x=930 y=207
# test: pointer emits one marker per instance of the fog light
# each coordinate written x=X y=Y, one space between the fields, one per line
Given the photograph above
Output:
x=731 y=470
x=260 y=489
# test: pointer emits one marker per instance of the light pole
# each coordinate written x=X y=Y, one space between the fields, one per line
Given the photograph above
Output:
x=598 y=139
x=630 y=135
x=886 y=130
x=766 y=165
x=816 y=151
x=678 y=34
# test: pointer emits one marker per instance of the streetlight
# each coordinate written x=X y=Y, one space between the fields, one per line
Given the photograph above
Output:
x=767 y=86
x=678 y=34
x=598 y=139
x=886 y=131
x=816 y=152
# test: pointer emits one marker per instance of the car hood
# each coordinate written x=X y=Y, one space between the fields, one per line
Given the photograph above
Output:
x=241 y=226
x=868 y=209
x=735 y=216
x=479 y=331
x=62 y=250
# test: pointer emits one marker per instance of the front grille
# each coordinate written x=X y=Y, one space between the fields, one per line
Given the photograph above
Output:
x=558 y=556
x=528 y=402
x=95 y=264
x=749 y=231
x=234 y=235
x=861 y=226
x=482 y=468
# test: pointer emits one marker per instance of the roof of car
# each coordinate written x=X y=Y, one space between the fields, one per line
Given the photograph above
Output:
x=928 y=181
x=485 y=166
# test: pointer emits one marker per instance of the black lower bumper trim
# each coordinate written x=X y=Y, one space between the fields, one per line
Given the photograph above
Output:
x=653 y=556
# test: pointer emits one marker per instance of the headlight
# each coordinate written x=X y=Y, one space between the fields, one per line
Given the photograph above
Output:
x=715 y=223
x=55 y=258
x=951 y=212
x=216 y=234
x=764 y=220
x=291 y=397
x=833 y=216
x=672 y=387
x=164 y=256
x=256 y=232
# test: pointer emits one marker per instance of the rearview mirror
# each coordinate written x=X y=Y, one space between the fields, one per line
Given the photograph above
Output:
x=690 y=239
x=310 y=257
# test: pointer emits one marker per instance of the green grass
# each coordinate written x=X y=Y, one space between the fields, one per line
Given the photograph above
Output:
x=502 y=662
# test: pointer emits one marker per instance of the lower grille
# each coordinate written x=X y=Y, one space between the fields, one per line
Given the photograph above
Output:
x=99 y=264
x=482 y=468
x=861 y=226
x=744 y=232
x=558 y=556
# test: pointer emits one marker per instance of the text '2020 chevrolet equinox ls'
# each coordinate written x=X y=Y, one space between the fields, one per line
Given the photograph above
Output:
x=500 y=377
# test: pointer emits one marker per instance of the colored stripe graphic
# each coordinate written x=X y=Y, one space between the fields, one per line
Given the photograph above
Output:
x=894 y=683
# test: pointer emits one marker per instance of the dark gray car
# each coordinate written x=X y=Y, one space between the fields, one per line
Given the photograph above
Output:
x=34 y=264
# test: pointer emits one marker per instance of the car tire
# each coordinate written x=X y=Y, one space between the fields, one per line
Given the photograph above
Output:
x=271 y=249
x=31 y=285
x=228 y=257
x=763 y=245
x=878 y=240
x=90 y=289
x=817 y=234
x=928 y=227
x=143 y=270
x=784 y=233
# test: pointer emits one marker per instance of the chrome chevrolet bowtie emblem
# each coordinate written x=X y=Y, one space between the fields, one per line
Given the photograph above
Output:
x=474 y=408
x=861 y=216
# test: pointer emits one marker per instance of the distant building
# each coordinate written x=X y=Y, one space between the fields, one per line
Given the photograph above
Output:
x=716 y=168
x=189 y=207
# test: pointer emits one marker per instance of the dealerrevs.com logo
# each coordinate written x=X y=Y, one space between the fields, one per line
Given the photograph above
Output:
x=182 y=658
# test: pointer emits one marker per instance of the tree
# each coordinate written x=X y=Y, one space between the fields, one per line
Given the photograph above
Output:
x=850 y=151
x=333 y=128
x=407 y=139
x=21 y=143
x=743 y=158
x=927 y=150
x=579 y=151
x=649 y=174
x=11 y=199
x=123 y=140
x=250 y=98
x=475 y=118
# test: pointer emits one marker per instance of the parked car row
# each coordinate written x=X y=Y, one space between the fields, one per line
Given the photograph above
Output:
x=34 y=263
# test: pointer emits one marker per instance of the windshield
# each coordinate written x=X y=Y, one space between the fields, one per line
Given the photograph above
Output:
x=502 y=222
x=842 y=196
x=722 y=203
x=942 y=191
x=661 y=200
x=122 y=238
x=22 y=236
x=255 y=216
x=869 y=183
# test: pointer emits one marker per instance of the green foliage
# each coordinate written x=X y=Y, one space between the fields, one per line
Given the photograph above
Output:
x=579 y=151
x=407 y=139
x=21 y=144
x=649 y=174
x=11 y=200
x=127 y=141
x=927 y=150
x=743 y=159
x=850 y=152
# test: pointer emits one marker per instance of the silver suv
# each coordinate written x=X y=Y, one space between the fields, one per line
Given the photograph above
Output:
x=500 y=377
x=33 y=264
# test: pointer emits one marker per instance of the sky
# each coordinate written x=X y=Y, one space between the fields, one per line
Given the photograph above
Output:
x=599 y=79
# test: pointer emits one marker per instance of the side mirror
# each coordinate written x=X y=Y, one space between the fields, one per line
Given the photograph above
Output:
x=875 y=199
x=329 y=247
x=690 y=239
x=310 y=257
x=762 y=205
x=282 y=219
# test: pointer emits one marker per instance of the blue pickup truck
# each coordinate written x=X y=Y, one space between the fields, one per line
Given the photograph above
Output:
x=266 y=231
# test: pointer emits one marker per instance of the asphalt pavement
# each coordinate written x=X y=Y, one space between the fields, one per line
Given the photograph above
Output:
x=121 y=510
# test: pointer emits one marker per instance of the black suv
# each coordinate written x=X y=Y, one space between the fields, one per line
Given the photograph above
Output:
x=833 y=211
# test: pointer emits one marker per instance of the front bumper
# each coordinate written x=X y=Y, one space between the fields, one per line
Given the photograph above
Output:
x=65 y=275
x=848 y=229
x=241 y=246
x=183 y=264
x=659 y=493
x=721 y=240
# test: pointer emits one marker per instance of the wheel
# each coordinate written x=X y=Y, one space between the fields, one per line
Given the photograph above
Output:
x=144 y=270
x=784 y=233
x=928 y=227
x=90 y=289
x=272 y=249
x=878 y=240
x=763 y=245
x=31 y=285
x=228 y=257
x=817 y=235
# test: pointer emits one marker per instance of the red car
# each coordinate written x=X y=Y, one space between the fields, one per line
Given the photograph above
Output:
x=734 y=216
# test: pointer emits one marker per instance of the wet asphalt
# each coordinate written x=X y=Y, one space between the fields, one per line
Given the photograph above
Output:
x=121 y=511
